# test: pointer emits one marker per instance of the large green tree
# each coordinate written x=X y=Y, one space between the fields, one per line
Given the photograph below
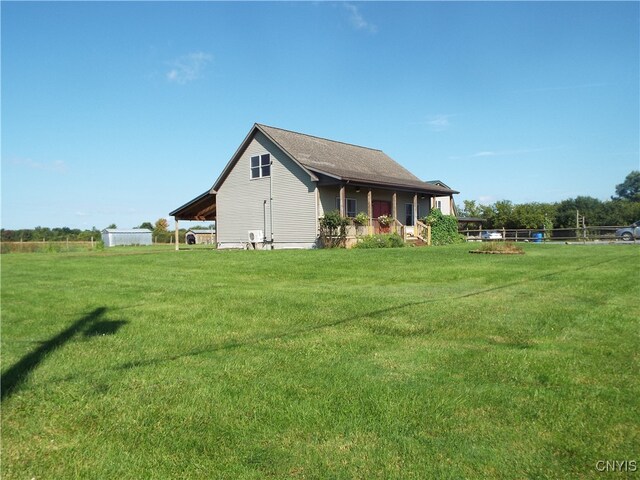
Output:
x=630 y=188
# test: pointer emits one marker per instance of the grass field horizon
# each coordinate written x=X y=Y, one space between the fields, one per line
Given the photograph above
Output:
x=398 y=363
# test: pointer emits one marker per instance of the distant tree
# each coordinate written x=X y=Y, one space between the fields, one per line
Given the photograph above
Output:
x=630 y=188
x=471 y=209
x=146 y=225
x=113 y=225
x=591 y=208
x=161 y=225
x=533 y=215
x=503 y=214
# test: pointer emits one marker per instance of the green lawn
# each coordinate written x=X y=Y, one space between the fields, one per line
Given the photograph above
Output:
x=405 y=363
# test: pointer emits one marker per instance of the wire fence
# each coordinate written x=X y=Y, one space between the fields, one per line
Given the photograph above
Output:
x=586 y=234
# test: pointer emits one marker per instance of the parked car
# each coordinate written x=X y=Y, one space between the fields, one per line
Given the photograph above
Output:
x=630 y=232
x=491 y=235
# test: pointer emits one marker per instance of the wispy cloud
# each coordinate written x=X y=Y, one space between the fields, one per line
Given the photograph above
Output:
x=436 y=123
x=188 y=68
x=563 y=87
x=503 y=153
x=439 y=123
x=357 y=20
x=57 y=166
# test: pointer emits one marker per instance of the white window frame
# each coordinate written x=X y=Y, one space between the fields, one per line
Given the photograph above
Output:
x=346 y=206
x=260 y=166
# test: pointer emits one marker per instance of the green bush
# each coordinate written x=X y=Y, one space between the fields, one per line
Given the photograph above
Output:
x=333 y=229
x=444 y=228
x=392 y=240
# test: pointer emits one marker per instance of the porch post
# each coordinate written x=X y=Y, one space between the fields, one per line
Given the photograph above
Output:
x=394 y=210
x=415 y=210
x=177 y=233
x=451 y=207
x=370 y=211
x=343 y=201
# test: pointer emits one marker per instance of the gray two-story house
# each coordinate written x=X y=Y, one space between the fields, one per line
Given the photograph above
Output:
x=279 y=183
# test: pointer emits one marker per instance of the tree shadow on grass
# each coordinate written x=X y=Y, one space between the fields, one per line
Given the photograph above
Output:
x=17 y=374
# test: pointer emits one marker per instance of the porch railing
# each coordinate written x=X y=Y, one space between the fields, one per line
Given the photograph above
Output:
x=399 y=228
x=423 y=232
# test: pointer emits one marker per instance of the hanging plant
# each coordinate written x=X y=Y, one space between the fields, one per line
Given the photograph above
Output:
x=385 y=220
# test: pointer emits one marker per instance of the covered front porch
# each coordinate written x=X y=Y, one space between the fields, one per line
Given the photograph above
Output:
x=392 y=209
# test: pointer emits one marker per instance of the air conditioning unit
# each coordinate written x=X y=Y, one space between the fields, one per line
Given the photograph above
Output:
x=256 y=236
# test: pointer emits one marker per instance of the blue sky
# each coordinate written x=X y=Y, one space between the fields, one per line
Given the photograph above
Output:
x=121 y=112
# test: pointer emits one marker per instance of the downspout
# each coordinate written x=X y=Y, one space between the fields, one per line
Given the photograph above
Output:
x=271 y=197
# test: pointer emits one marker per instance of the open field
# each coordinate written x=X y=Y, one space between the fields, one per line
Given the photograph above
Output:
x=404 y=363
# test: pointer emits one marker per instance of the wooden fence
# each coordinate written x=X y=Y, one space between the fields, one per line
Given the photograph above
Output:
x=584 y=234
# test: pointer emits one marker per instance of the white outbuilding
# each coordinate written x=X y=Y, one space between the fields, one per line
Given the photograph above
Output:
x=113 y=237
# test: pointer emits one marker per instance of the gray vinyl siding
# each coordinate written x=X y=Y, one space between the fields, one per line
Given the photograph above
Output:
x=241 y=206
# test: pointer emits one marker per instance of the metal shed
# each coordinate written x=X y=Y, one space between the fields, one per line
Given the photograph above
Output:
x=113 y=237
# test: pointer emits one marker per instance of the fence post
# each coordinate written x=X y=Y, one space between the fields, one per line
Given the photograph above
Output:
x=504 y=234
x=428 y=234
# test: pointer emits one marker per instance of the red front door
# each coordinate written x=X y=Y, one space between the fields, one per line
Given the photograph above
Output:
x=381 y=207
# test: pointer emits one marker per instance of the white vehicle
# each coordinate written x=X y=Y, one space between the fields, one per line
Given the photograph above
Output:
x=491 y=235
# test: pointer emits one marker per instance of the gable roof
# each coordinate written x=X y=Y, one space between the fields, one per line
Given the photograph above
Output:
x=346 y=161
x=342 y=161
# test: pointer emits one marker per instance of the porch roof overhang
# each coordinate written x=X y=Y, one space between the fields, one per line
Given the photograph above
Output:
x=386 y=184
x=201 y=208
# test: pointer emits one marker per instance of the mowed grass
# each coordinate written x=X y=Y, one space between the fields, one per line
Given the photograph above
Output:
x=407 y=363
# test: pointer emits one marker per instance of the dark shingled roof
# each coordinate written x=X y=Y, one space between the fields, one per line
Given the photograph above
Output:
x=347 y=162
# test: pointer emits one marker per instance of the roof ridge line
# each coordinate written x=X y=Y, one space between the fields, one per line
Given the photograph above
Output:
x=320 y=138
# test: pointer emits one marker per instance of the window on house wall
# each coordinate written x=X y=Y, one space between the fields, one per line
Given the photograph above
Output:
x=261 y=166
x=351 y=206
x=439 y=205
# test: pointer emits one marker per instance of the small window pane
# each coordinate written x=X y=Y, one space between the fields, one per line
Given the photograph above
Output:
x=255 y=172
x=255 y=161
x=266 y=171
x=265 y=159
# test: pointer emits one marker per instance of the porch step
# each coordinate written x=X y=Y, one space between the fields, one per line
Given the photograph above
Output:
x=415 y=241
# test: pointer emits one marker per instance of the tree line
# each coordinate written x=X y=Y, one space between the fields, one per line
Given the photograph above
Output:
x=160 y=231
x=622 y=209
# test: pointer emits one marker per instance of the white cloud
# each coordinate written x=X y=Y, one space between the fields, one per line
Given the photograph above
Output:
x=503 y=153
x=188 y=68
x=487 y=154
x=439 y=123
x=357 y=20
x=563 y=87
x=57 y=166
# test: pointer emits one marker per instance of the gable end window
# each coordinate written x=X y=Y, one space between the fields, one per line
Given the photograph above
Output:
x=261 y=166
